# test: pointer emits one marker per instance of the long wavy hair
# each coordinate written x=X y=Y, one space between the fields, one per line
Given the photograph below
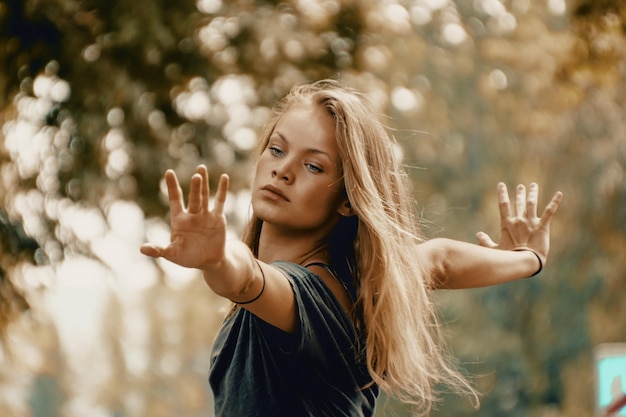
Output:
x=404 y=347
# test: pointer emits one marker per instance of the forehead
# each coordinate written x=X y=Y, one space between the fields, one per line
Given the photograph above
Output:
x=308 y=124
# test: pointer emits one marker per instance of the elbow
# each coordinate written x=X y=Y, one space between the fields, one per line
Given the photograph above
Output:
x=438 y=256
x=441 y=273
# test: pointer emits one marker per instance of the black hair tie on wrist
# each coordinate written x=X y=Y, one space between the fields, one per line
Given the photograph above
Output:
x=262 y=288
x=538 y=258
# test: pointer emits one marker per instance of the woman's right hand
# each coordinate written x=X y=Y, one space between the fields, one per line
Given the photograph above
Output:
x=198 y=234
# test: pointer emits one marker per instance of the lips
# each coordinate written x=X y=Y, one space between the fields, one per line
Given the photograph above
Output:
x=274 y=191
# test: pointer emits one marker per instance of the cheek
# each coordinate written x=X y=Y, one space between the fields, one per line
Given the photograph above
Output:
x=326 y=198
x=261 y=166
x=338 y=192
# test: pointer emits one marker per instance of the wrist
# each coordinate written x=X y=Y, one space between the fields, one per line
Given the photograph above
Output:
x=540 y=268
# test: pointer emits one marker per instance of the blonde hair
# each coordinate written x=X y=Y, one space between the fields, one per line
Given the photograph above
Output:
x=404 y=347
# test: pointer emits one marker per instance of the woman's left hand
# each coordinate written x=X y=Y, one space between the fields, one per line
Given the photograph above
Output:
x=521 y=228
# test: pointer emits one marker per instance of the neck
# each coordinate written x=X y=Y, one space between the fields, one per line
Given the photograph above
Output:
x=299 y=248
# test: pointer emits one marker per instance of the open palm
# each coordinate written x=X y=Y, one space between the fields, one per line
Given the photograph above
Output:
x=198 y=233
x=522 y=228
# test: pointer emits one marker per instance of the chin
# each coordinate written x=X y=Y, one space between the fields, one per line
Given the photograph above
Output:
x=266 y=214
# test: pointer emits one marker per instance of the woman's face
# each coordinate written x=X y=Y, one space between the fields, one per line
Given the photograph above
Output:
x=298 y=185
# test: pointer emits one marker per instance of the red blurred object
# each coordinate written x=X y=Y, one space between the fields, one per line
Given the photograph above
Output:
x=616 y=406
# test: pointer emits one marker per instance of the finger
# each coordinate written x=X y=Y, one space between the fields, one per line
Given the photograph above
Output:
x=195 y=196
x=220 y=195
x=520 y=201
x=204 y=189
x=504 y=202
x=484 y=240
x=551 y=209
x=151 y=250
x=531 y=203
x=174 y=193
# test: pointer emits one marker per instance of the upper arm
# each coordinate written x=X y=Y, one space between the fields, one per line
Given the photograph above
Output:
x=277 y=303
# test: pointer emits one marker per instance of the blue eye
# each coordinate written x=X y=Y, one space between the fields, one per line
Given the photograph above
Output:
x=313 y=168
x=276 y=151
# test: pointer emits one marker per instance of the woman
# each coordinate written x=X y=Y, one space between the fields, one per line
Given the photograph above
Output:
x=331 y=286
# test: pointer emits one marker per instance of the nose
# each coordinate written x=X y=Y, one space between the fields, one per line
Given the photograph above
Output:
x=283 y=172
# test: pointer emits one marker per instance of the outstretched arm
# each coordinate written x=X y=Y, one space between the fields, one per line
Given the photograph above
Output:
x=198 y=240
x=521 y=252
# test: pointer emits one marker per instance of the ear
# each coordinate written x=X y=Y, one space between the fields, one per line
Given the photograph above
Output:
x=345 y=209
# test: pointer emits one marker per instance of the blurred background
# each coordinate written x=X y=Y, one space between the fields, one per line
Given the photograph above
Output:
x=99 y=97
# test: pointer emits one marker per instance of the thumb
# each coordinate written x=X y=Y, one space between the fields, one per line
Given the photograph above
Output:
x=484 y=240
x=151 y=250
